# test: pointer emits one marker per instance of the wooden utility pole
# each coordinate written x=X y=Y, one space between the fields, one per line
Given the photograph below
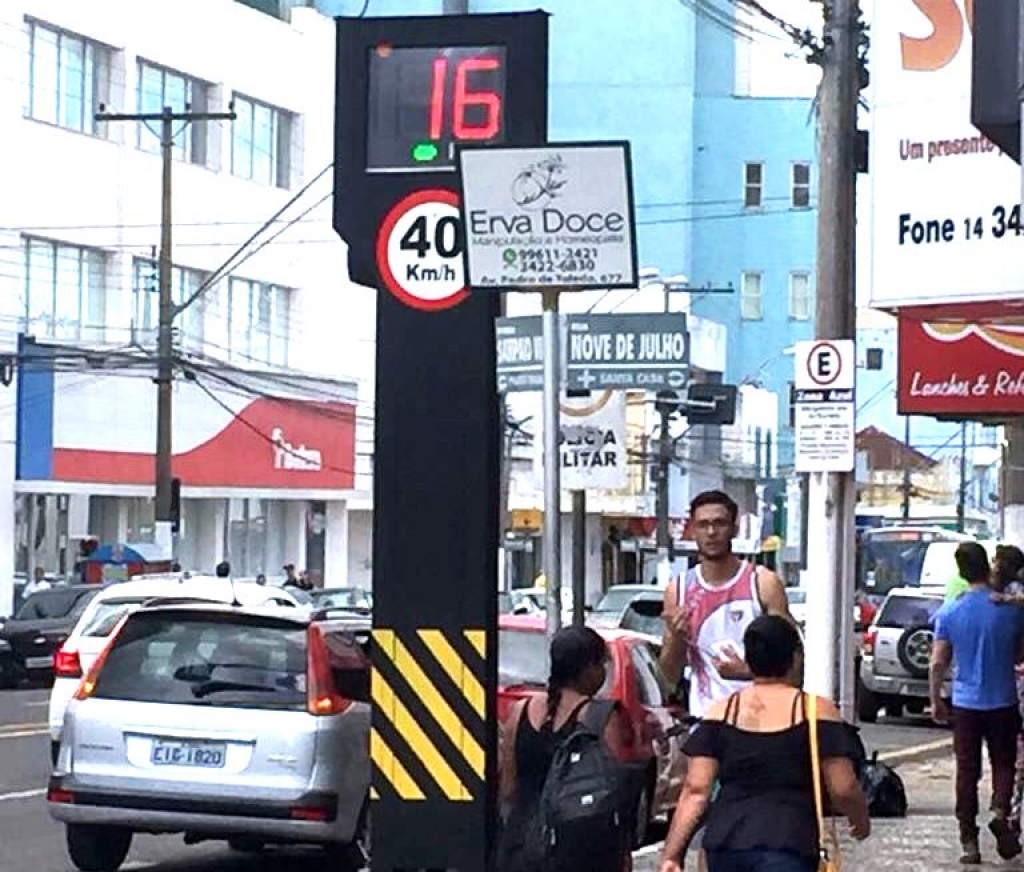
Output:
x=164 y=509
x=832 y=496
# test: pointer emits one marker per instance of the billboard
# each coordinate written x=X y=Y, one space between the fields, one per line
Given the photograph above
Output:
x=101 y=429
x=959 y=369
x=945 y=199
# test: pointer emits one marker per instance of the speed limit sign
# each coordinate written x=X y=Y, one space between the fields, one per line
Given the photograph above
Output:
x=419 y=250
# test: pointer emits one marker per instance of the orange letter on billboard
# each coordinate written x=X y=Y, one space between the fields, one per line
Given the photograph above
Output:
x=933 y=52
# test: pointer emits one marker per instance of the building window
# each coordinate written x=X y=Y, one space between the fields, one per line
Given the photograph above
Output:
x=801 y=193
x=159 y=88
x=68 y=78
x=753 y=185
x=258 y=321
x=261 y=143
x=65 y=297
x=750 y=296
x=146 y=299
x=800 y=296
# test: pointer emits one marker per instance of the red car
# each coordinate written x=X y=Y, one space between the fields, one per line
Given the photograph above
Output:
x=634 y=679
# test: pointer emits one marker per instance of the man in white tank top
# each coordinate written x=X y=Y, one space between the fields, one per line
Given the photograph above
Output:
x=708 y=609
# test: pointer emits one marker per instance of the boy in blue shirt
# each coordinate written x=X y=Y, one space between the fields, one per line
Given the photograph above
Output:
x=985 y=640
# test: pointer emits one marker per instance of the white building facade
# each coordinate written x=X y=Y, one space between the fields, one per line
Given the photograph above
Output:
x=274 y=359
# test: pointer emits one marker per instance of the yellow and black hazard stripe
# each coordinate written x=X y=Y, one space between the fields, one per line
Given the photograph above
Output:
x=428 y=740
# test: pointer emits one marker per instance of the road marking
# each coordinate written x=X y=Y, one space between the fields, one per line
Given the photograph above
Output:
x=916 y=750
x=23 y=794
x=5 y=728
x=24 y=734
x=43 y=703
x=647 y=850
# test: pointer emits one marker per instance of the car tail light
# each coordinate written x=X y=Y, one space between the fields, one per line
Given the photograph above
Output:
x=67 y=663
x=868 y=645
x=310 y=813
x=88 y=684
x=322 y=698
x=57 y=794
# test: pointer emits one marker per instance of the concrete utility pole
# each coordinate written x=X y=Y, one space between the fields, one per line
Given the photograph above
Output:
x=164 y=514
x=832 y=496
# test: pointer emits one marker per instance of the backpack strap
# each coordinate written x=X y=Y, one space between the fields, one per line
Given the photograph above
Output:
x=598 y=712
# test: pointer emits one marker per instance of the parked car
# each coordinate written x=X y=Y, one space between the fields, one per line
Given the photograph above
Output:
x=41 y=625
x=896 y=650
x=104 y=611
x=244 y=723
x=515 y=602
x=610 y=608
x=355 y=598
x=634 y=679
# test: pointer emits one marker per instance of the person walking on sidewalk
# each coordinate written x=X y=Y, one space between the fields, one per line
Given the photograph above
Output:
x=1008 y=583
x=758 y=744
x=984 y=639
x=533 y=732
x=708 y=609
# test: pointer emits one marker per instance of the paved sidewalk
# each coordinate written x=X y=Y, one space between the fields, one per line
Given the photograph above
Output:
x=925 y=840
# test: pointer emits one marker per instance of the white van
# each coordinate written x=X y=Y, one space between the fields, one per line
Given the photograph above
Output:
x=939 y=564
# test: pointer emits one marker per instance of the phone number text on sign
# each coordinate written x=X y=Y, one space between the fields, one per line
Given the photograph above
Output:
x=1002 y=221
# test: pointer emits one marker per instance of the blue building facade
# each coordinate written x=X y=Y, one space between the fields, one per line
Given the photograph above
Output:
x=662 y=75
x=754 y=222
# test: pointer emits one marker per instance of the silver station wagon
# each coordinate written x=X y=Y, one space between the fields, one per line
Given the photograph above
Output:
x=249 y=724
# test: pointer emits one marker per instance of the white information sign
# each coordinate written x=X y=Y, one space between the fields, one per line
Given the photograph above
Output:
x=825 y=420
x=945 y=201
x=560 y=216
x=419 y=250
x=592 y=443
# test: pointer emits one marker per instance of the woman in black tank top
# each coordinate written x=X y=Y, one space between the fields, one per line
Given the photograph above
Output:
x=537 y=726
x=757 y=745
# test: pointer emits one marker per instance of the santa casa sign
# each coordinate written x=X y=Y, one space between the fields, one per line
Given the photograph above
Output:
x=961 y=369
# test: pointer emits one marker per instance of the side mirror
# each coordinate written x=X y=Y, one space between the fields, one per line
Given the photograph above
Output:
x=521 y=609
x=588 y=608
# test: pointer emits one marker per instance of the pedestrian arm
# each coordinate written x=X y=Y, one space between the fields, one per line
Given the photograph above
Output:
x=942 y=657
x=693 y=802
x=672 y=658
x=841 y=780
x=507 y=732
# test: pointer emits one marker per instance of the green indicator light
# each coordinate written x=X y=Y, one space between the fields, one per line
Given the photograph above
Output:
x=424 y=152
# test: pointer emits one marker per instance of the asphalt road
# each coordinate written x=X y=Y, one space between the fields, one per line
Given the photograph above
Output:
x=31 y=842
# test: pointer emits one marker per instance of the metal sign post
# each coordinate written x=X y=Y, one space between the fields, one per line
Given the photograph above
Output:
x=552 y=218
x=552 y=550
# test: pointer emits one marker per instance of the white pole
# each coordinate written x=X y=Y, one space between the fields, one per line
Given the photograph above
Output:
x=552 y=473
x=822 y=634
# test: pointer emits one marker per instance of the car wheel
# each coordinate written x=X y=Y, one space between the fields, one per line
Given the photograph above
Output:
x=914 y=650
x=643 y=818
x=246 y=844
x=916 y=707
x=54 y=752
x=868 y=705
x=95 y=848
x=894 y=708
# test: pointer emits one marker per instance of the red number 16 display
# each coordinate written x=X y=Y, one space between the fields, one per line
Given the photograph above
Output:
x=424 y=100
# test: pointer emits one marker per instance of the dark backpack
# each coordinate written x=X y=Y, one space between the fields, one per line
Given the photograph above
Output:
x=883 y=788
x=585 y=816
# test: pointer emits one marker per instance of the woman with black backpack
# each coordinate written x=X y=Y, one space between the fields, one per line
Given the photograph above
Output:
x=535 y=782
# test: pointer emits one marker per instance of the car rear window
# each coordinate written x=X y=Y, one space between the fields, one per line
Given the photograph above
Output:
x=105 y=616
x=523 y=660
x=230 y=660
x=47 y=604
x=908 y=611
